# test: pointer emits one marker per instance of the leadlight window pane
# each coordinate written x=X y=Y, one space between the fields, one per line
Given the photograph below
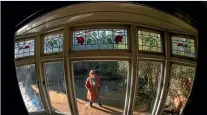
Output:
x=92 y=39
x=180 y=87
x=148 y=80
x=183 y=46
x=53 y=42
x=27 y=80
x=24 y=48
x=149 y=41
x=113 y=75
x=56 y=86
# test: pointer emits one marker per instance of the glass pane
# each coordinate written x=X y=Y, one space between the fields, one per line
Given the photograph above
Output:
x=182 y=46
x=179 y=90
x=24 y=48
x=149 y=41
x=56 y=86
x=113 y=82
x=29 y=89
x=100 y=39
x=149 y=77
x=53 y=42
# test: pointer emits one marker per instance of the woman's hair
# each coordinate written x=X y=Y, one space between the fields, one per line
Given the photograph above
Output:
x=91 y=72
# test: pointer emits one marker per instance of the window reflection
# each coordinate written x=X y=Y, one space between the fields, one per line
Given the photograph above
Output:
x=29 y=89
x=179 y=90
x=56 y=86
x=149 y=77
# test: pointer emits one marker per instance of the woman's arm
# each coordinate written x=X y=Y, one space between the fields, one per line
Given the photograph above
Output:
x=87 y=85
x=99 y=82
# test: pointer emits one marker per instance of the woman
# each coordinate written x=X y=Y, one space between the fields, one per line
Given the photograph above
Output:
x=93 y=85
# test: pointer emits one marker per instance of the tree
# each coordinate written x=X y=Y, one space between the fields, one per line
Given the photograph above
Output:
x=149 y=75
x=180 y=87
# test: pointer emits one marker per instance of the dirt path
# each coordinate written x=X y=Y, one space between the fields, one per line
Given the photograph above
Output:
x=85 y=109
x=59 y=102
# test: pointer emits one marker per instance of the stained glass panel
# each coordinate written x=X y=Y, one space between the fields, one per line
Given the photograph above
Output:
x=149 y=41
x=27 y=81
x=24 y=48
x=149 y=77
x=183 y=46
x=53 y=42
x=100 y=39
x=179 y=90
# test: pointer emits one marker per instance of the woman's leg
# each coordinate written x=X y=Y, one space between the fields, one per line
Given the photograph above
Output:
x=98 y=99
x=90 y=103
x=99 y=102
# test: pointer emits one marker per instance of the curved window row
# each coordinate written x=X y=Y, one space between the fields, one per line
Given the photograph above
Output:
x=95 y=39
x=52 y=68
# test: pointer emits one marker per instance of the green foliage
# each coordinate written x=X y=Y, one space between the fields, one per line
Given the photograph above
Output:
x=106 y=69
x=149 y=73
x=180 y=85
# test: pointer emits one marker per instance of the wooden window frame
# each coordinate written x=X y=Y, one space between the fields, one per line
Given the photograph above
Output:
x=132 y=54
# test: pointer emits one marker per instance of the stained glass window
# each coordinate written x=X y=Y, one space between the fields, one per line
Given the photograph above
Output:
x=179 y=90
x=100 y=39
x=24 y=48
x=149 y=41
x=148 y=79
x=53 y=42
x=183 y=46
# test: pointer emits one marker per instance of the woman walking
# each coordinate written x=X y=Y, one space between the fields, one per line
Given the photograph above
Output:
x=93 y=85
